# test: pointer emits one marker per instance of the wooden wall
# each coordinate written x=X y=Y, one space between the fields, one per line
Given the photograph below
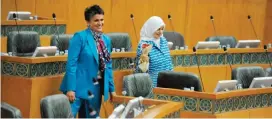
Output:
x=268 y=23
x=190 y=17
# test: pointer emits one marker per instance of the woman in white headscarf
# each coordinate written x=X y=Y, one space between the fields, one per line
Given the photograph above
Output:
x=159 y=56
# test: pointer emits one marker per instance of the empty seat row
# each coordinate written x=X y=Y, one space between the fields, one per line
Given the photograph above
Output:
x=24 y=43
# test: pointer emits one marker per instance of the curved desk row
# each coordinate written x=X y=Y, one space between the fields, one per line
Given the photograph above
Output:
x=214 y=64
x=247 y=103
x=26 y=80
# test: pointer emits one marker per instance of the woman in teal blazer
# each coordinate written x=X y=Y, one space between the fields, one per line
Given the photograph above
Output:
x=89 y=66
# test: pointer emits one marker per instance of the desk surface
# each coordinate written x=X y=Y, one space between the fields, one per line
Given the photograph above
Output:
x=116 y=55
x=32 y=22
x=34 y=60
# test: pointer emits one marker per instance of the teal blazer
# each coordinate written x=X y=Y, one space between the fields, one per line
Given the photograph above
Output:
x=82 y=66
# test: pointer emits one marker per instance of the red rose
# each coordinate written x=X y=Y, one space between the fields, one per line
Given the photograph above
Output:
x=145 y=45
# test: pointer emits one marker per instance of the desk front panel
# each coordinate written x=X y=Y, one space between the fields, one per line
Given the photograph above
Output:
x=241 y=103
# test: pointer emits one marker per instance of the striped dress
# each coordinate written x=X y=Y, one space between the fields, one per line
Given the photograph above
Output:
x=159 y=58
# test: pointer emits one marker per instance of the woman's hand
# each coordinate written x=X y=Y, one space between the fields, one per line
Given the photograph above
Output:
x=144 y=58
x=71 y=96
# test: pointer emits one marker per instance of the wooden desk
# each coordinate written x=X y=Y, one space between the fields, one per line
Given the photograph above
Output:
x=214 y=64
x=26 y=80
x=36 y=75
x=248 y=103
x=42 y=27
x=32 y=22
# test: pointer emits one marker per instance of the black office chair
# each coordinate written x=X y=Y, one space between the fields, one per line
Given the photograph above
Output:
x=245 y=75
x=176 y=38
x=268 y=72
x=8 y=111
x=120 y=40
x=61 y=41
x=224 y=40
x=138 y=84
x=179 y=80
x=56 y=106
x=23 y=43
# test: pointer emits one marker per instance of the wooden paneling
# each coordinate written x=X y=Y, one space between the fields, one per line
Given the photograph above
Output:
x=230 y=18
x=42 y=87
x=268 y=23
x=22 y=5
x=76 y=20
x=189 y=17
x=14 y=91
x=3 y=44
x=260 y=113
x=26 y=93
x=45 y=8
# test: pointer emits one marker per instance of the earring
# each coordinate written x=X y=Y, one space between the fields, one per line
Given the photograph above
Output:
x=88 y=25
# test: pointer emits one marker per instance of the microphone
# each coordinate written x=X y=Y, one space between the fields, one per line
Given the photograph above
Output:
x=249 y=18
x=212 y=20
x=172 y=26
x=265 y=49
x=132 y=19
x=169 y=17
x=194 y=50
x=57 y=32
x=226 y=55
x=15 y=19
x=16 y=8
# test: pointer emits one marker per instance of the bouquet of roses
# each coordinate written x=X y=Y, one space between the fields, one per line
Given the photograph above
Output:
x=144 y=59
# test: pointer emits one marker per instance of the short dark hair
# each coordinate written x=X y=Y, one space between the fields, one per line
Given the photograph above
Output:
x=91 y=11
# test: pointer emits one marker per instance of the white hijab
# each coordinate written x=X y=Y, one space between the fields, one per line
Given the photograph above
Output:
x=150 y=27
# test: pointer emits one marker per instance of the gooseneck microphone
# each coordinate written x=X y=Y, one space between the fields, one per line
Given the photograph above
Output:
x=226 y=55
x=134 y=28
x=59 y=46
x=212 y=20
x=15 y=19
x=267 y=56
x=170 y=19
x=194 y=50
x=18 y=45
x=252 y=26
x=172 y=26
x=16 y=9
